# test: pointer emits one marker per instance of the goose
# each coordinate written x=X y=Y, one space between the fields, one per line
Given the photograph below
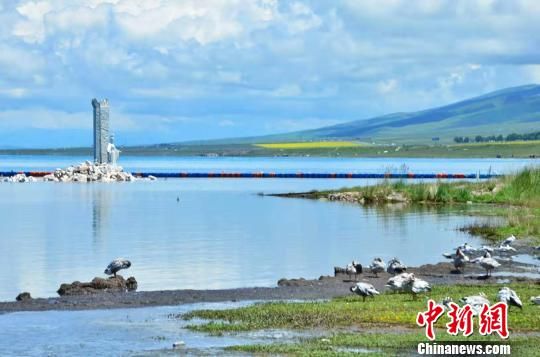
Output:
x=377 y=266
x=460 y=260
x=535 y=299
x=395 y=266
x=416 y=286
x=487 y=248
x=509 y=297
x=364 y=290
x=476 y=302
x=466 y=248
x=487 y=262
x=117 y=265
x=505 y=248
x=395 y=283
x=353 y=268
x=509 y=240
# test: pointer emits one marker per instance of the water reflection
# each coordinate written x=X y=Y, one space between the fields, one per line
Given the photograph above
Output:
x=220 y=235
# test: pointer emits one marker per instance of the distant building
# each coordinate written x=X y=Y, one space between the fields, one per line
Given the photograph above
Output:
x=101 y=130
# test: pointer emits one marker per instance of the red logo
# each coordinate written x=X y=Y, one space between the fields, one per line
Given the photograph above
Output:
x=491 y=319
x=461 y=319
x=494 y=319
x=429 y=317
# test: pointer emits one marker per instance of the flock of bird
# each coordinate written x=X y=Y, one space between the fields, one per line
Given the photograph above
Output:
x=400 y=282
x=464 y=252
x=403 y=282
x=477 y=302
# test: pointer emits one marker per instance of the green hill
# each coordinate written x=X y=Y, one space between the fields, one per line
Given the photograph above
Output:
x=511 y=110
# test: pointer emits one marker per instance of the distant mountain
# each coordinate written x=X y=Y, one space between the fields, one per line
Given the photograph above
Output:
x=511 y=110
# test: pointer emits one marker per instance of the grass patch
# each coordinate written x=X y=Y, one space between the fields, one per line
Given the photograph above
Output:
x=310 y=145
x=519 y=193
x=378 y=344
x=343 y=312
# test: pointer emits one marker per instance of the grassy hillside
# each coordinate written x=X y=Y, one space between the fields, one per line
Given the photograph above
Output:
x=503 y=112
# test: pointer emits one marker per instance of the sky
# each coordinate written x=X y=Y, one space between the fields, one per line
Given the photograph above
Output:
x=201 y=69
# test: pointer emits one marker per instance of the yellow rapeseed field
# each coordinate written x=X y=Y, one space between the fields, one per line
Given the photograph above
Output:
x=310 y=145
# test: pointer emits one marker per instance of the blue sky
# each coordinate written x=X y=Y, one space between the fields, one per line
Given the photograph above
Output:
x=195 y=69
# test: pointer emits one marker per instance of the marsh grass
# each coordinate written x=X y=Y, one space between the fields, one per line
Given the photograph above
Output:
x=350 y=311
x=519 y=194
x=377 y=344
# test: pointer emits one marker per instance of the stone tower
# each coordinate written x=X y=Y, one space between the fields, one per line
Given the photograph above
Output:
x=101 y=130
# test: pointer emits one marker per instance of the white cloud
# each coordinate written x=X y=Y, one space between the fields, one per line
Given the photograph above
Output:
x=201 y=59
x=533 y=72
x=14 y=92
x=287 y=90
x=387 y=86
x=226 y=122
x=32 y=29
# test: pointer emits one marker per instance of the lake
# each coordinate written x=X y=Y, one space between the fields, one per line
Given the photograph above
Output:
x=221 y=233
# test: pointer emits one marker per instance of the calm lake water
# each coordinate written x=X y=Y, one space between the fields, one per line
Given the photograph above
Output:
x=220 y=234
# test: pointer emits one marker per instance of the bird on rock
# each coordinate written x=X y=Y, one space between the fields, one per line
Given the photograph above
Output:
x=116 y=265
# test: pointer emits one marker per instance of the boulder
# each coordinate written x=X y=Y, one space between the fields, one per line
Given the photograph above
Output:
x=25 y=296
x=131 y=284
x=98 y=285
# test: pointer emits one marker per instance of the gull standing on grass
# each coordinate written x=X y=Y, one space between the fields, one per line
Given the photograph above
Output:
x=509 y=297
x=364 y=290
x=396 y=283
x=476 y=302
x=535 y=300
x=416 y=286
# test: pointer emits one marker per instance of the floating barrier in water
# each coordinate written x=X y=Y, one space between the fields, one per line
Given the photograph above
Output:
x=310 y=175
x=307 y=175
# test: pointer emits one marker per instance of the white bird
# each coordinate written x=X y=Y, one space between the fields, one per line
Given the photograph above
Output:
x=353 y=268
x=487 y=262
x=466 y=248
x=535 y=300
x=395 y=266
x=364 y=289
x=396 y=283
x=377 y=266
x=476 y=302
x=505 y=248
x=460 y=259
x=509 y=297
x=509 y=240
x=487 y=248
x=117 y=265
x=416 y=286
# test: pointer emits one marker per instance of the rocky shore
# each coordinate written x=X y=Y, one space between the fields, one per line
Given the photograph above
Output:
x=325 y=287
x=84 y=172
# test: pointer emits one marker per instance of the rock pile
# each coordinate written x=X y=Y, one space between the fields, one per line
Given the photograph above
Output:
x=85 y=172
x=90 y=172
x=352 y=197
x=25 y=296
x=99 y=285
x=19 y=178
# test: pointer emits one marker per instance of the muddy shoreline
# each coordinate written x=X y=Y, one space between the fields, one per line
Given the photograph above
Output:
x=288 y=289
